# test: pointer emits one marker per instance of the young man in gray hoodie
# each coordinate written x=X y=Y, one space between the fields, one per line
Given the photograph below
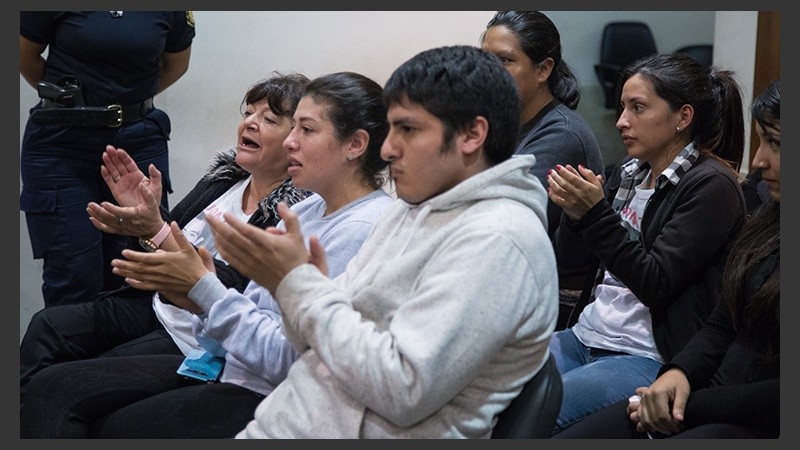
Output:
x=448 y=308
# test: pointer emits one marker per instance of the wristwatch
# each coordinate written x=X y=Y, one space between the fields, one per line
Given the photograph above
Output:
x=155 y=242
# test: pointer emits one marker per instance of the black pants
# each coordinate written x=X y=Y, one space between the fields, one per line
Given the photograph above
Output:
x=132 y=397
x=60 y=172
x=122 y=323
x=612 y=422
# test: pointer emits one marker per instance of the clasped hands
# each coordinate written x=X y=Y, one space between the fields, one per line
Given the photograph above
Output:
x=661 y=406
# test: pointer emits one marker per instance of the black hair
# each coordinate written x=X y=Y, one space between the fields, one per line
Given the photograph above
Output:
x=282 y=92
x=718 y=124
x=766 y=108
x=457 y=84
x=540 y=39
x=355 y=103
x=755 y=309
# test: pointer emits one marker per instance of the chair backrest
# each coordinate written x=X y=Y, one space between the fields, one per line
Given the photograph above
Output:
x=622 y=43
x=702 y=53
x=625 y=42
x=532 y=414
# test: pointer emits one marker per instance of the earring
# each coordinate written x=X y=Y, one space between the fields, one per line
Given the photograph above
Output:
x=350 y=157
x=678 y=128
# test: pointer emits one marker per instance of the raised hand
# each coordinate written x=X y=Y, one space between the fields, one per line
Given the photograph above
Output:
x=142 y=220
x=265 y=256
x=138 y=197
x=123 y=177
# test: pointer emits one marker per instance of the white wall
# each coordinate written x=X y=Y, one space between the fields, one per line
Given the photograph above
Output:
x=233 y=49
x=738 y=54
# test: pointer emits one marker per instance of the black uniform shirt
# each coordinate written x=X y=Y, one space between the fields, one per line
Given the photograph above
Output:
x=115 y=54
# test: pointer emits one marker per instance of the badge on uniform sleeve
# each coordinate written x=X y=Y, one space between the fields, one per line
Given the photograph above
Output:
x=190 y=18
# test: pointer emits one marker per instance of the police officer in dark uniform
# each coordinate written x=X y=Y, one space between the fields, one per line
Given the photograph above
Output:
x=96 y=88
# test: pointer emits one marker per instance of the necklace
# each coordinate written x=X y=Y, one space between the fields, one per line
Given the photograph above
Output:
x=252 y=198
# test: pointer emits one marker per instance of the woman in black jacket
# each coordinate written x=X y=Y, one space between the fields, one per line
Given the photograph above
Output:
x=250 y=180
x=726 y=382
x=661 y=232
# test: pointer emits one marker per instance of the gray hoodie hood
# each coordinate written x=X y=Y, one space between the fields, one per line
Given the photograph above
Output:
x=508 y=180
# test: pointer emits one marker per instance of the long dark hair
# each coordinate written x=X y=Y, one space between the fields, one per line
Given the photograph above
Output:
x=751 y=281
x=756 y=309
x=539 y=39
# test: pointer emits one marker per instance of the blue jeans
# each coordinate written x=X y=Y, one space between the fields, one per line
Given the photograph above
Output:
x=595 y=378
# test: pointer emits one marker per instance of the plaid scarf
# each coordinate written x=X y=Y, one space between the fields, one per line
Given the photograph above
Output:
x=635 y=171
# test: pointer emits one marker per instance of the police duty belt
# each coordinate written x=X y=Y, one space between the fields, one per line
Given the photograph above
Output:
x=113 y=116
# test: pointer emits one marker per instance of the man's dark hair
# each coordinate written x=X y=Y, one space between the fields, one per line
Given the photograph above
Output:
x=457 y=84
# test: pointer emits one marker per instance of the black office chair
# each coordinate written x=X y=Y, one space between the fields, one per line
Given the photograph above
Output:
x=702 y=53
x=622 y=44
x=532 y=415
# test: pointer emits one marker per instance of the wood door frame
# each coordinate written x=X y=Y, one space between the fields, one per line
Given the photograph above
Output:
x=767 y=64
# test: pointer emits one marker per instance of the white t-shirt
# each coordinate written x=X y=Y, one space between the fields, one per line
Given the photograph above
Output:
x=177 y=321
x=616 y=320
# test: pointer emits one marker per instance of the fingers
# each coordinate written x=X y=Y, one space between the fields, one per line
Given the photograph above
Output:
x=136 y=265
x=110 y=218
x=555 y=198
x=106 y=174
x=590 y=176
x=155 y=174
x=146 y=271
x=317 y=255
x=633 y=405
x=559 y=180
x=566 y=177
x=227 y=239
x=134 y=258
x=678 y=407
x=290 y=219
x=656 y=415
x=560 y=186
x=117 y=163
x=574 y=190
x=111 y=212
x=95 y=210
x=125 y=162
x=112 y=163
x=585 y=172
x=207 y=258
x=147 y=194
x=177 y=234
x=239 y=233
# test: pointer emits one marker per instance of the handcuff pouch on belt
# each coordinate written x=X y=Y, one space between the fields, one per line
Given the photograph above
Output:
x=63 y=104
